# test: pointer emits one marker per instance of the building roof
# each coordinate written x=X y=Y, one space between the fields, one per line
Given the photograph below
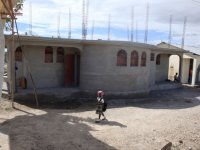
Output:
x=47 y=41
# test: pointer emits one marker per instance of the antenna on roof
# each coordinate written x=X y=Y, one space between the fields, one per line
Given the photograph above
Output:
x=109 y=27
x=30 y=18
x=92 y=30
x=69 y=33
x=183 y=37
x=170 y=31
x=132 y=25
x=147 y=23
x=58 y=32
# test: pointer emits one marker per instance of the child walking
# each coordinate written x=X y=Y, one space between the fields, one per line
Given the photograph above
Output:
x=101 y=105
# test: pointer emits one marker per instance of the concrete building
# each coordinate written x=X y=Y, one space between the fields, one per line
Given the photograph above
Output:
x=190 y=66
x=116 y=67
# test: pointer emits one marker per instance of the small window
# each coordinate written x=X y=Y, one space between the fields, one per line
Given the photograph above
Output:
x=152 y=56
x=158 y=60
x=60 y=55
x=48 y=54
x=143 y=59
x=134 y=58
x=121 y=58
x=18 y=54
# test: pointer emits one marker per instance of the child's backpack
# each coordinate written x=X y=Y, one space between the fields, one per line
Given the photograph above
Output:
x=104 y=106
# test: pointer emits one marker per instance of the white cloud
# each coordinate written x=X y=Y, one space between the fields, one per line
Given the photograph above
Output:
x=45 y=17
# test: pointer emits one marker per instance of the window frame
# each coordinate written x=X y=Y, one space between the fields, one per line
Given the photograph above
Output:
x=122 y=58
x=48 y=54
x=60 y=55
x=143 y=59
x=134 y=58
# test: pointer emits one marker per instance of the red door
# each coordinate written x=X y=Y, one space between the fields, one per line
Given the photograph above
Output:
x=69 y=69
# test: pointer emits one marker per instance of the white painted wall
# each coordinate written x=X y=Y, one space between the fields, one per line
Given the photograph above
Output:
x=185 y=70
x=174 y=62
x=162 y=69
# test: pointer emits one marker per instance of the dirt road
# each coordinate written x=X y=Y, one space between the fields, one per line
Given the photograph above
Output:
x=148 y=125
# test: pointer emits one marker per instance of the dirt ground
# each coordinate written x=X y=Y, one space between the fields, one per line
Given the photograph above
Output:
x=167 y=116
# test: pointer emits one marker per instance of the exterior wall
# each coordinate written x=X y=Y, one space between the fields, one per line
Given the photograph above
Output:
x=162 y=69
x=174 y=62
x=198 y=71
x=185 y=70
x=19 y=71
x=152 y=75
x=195 y=65
x=45 y=75
x=98 y=65
x=99 y=70
x=152 y=78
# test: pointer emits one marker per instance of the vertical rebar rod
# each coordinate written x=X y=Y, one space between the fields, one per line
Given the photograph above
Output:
x=170 y=31
x=69 y=33
x=146 y=24
x=109 y=27
x=183 y=36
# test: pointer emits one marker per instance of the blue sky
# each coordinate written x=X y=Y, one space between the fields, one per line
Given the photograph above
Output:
x=45 y=20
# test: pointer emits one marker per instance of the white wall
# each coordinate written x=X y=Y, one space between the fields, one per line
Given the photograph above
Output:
x=185 y=70
x=174 y=62
x=162 y=69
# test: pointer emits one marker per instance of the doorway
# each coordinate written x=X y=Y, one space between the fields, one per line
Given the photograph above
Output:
x=71 y=70
x=190 y=71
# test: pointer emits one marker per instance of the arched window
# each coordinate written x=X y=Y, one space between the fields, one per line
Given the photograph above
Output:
x=134 y=58
x=48 y=54
x=143 y=59
x=121 y=58
x=18 y=54
x=158 y=59
x=60 y=55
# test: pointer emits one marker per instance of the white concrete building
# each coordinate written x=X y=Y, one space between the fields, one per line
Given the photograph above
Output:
x=190 y=66
x=89 y=65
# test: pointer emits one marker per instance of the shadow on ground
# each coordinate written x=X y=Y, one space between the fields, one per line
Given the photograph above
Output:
x=169 y=99
x=52 y=131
